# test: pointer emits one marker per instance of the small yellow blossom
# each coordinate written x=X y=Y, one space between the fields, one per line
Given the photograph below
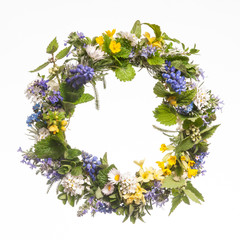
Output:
x=114 y=46
x=163 y=148
x=151 y=40
x=183 y=158
x=158 y=175
x=100 y=40
x=140 y=163
x=110 y=33
x=137 y=197
x=191 y=163
x=167 y=171
x=145 y=176
x=63 y=122
x=172 y=160
x=54 y=129
x=172 y=100
x=161 y=164
x=192 y=172
x=63 y=128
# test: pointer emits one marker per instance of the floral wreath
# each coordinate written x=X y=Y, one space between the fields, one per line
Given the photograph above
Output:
x=100 y=185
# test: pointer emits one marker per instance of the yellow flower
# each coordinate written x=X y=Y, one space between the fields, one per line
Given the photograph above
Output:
x=63 y=128
x=167 y=171
x=54 y=129
x=191 y=163
x=151 y=41
x=140 y=163
x=114 y=46
x=100 y=40
x=158 y=175
x=137 y=197
x=161 y=164
x=192 y=172
x=172 y=160
x=110 y=33
x=183 y=158
x=163 y=148
x=63 y=122
x=145 y=176
x=172 y=100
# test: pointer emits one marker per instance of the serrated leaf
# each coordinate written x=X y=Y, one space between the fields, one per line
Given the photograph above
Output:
x=40 y=67
x=179 y=65
x=102 y=176
x=68 y=107
x=124 y=53
x=165 y=115
x=156 y=29
x=169 y=182
x=136 y=29
x=160 y=90
x=195 y=191
x=53 y=46
x=208 y=132
x=106 y=43
x=175 y=202
x=64 y=169
x=185 y=98
x=155 y=60
x=72 y=153
x=69 y=94
x=186 y=144
x=186 y=199
x=63 y=53
x=86 y=97
x=125 y=73
x=191 y=195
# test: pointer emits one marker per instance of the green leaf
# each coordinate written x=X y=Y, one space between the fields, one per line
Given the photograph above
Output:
x=106 y=43
x=104 y=160
x=197 y=121
x=191 y=195
x=53 y=46
x=180 y=66
x=185 y=199
x=175 y=202
x=169 y=182
x=71 y=200
x=195 y=191
x=68 y=107
x=165 y=115
x=208 y=132
x=63 y=53
x=166 y=37
x=125 y=73
x=76 y=171
x=62 y=196
x=136 y=29
x=186 y=144
x=124 y=53
x=60 y=188
x=50 y=147
x=72 y=153
x=98 y=193
x=102 y=176
x=86 y=97
x=131 y=209
x=64 y=169
x=185 y=98
x=40 y=67
x=156 y=29
x=69 y=94
x=160 y=90
x=155 y=60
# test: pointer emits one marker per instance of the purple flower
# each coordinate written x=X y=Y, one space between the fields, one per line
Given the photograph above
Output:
x=80 y=35
x=55 y=97
x=148 y=51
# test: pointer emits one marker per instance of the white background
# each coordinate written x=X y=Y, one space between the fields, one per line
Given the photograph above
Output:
x=123 y=126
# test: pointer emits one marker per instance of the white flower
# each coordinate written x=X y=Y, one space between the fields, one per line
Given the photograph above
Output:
x=43 y=133
x=108 y=189
x=128 y=184
x=73 y=185
x=114 y=176
x=201 y=99
x=53 y=85
x=94 y=53
x=129 y=36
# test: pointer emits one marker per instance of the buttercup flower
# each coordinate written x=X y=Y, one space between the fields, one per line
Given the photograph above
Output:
x=115 y=47
x=111 y=33
x=100 y=40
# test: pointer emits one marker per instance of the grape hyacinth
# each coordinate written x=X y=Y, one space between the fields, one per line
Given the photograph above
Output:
x=174 y=78
x=91 y=164
x=81 y=75
x=148 y=51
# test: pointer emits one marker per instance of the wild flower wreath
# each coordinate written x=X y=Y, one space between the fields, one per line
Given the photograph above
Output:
x=84 y=176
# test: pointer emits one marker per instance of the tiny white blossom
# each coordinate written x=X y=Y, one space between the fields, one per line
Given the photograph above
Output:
x=128 y=184
x=43 y=133
x=129 y=36
x=201 y=99
x=108 y=189
x=94 y=53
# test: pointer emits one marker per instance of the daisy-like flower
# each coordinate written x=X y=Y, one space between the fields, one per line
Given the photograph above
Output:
x=201 y=99
x=43 y=133
x=114 y=176
x=94 y=53
x=129 y=36
x=108 y=189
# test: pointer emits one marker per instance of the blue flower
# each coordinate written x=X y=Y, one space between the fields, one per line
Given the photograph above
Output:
x=103 y=208
x=185 y=110
x=174 y=78
x=35 y=117
x=148 y=51
x=55 y=98
x=81 y=75
x=80 y=35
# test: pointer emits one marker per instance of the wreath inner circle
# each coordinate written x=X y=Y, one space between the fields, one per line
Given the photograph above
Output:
x=185 y=104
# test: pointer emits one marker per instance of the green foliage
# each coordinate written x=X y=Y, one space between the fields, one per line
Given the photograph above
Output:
x=165 y=115
x=197 y=121
x=126 y=73
x=185 y=145
x=169 y=182
x=70 y=94
x=40 y=67
x=86 y=97
x=64 y=169
x=191 y=195
x=53 y=46
x=102 y=176
x=136 y=29
x=155 y=60
x=175 y=202
x=63 y=53
x=71 y=200
x=76 y=171
x=105 y=160
x=106 y=43
x=160 y=90
x=50 y=147
x=72 y=153
x=185 y=98
x=98 y=193
x=166 y=37
x=194 y=191
x=62 y=196
x=208 y=132
x=69 y=108
x=156 y=29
